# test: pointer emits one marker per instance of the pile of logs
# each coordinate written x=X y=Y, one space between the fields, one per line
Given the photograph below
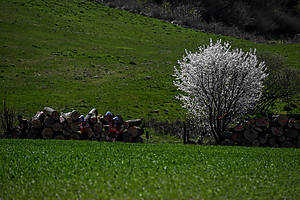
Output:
x=49 y=124
x=273 y=131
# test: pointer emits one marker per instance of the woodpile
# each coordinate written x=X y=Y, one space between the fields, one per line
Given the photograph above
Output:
x=274 y=131
x=49 y=124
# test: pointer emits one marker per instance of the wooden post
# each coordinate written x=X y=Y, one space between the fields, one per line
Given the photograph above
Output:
x=147 y=135
x=184 y=133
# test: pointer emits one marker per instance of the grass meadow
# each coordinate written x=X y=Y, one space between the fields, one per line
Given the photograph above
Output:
x=53 y=169
x=79 y=55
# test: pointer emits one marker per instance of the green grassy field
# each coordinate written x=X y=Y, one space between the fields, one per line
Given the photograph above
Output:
x=79 y=55
x=37 y=169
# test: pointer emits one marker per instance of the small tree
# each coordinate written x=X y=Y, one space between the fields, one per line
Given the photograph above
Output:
x=219 y=85
x=283 y=82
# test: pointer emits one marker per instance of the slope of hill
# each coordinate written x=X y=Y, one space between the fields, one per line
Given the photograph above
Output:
x=79 y=54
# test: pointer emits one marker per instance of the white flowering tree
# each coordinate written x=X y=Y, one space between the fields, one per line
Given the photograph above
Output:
x=219 y=85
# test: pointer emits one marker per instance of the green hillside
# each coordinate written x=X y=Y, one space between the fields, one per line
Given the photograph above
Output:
x=79 y=54
x=52 y=169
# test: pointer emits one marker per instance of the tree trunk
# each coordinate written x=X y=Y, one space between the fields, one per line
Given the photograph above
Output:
x=51 y=113
x=47 y=133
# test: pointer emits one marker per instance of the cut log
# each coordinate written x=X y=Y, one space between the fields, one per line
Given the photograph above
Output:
x=227 y=142
x=292 y=133
x=75 y=126
x=59 y=137
x=34 y=133
x=74 y=136
x=135 y=131
x=62 y=120
x=90 y=133
x=287 y=144
x=93 y=112
x=297 y=124
x=97 y=135
x=277 y=131
x=272 y=142
x=255 y=143
x=127 y=137
x=67 y=117
x=239 y=128
x=75 y=115
x=282 y=120
x=57 y=127
x=51 y=113
x=49 y=121
x=237 y=137
x=250 y=135
x=47 y=133
x=97 y=128
x=260 y=130
x=138 y=140
x=67 y=131
x=262 y=122
x=93 y=119
x=291 y=123
x=282 y=139
x=37 y=120
x=134 y=122
x=263 y=139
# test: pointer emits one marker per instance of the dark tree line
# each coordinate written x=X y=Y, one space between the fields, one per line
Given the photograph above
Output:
x=244 y=18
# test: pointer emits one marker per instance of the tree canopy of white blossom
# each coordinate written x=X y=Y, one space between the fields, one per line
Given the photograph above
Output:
x=219 y=85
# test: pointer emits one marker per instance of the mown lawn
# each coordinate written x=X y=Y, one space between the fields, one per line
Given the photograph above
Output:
x=78 y=55
x=39 y=169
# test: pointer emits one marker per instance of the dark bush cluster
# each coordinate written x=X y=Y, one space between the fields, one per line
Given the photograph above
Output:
x=255 y=20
